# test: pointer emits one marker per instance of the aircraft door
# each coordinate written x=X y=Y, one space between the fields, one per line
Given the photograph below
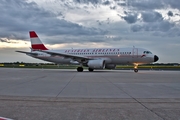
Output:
x=135 y=52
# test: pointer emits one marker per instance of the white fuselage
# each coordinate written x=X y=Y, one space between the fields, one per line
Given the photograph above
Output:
x=110 y=55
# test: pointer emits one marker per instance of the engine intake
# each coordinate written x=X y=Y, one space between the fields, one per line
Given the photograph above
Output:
x=96 y=64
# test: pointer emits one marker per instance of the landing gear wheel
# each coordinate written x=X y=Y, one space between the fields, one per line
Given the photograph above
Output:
x=90 y=69
x=80 y=69
x=135 y=70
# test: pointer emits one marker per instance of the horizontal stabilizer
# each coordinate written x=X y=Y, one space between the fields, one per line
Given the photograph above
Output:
x=30 y=53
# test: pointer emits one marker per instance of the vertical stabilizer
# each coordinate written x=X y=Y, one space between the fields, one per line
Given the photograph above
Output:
x=36 y=43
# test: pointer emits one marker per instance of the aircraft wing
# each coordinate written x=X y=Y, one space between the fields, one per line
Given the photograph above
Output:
x=29 y=53
x=74 y=57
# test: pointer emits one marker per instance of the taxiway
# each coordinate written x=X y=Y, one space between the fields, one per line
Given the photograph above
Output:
x=104 y=94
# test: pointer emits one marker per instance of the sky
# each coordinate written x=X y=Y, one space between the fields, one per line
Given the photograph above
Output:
x=61 y=24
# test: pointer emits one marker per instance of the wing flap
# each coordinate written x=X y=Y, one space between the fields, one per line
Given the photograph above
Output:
x=75 y=57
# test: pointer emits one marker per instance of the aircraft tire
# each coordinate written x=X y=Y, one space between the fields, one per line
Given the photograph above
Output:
x=135 y=70
x=90 y=69
x=80 y=69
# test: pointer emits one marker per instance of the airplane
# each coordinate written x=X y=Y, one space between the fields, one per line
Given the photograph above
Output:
x=93 y=58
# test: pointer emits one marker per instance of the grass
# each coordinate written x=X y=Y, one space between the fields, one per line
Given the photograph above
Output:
x=160 y=67
x=53 y=66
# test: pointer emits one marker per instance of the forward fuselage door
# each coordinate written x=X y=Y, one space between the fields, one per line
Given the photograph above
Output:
x=135 y=52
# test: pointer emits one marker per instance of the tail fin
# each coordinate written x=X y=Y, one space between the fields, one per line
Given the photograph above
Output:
x=36 y=43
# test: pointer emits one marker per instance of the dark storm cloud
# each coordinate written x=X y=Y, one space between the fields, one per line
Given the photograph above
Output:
x=145 y=4
x=76 y=39
x=170 y=13
x=149 y=19
x=6 y=41
x=171 y=33
x=107 y=21
x=136 y=28
x=106 y=3
x=177 y=14
x=113 y=8
x=130 y=4
x=152 y=4
x=130 y=18
x=173 y=3
x=121 y=4
x=174 y=32
x=163 y=26
x=20 y=16
x=146 y=17
x=88 y=1
x=151 y=16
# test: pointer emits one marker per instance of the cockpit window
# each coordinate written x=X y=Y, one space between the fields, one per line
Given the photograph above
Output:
x=147 y=52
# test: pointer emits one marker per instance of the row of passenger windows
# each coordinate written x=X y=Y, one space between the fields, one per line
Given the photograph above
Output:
x=121 y=53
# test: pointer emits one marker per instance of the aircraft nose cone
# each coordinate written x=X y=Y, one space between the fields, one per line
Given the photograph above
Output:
x=156 y=58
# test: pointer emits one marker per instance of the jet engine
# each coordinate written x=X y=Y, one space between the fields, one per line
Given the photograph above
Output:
x=96 y=64
x=110 y=66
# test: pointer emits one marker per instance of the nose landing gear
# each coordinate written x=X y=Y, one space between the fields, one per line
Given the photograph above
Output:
x=136 y=68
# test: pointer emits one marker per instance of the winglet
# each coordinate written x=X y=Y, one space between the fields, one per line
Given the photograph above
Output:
x=36 y=43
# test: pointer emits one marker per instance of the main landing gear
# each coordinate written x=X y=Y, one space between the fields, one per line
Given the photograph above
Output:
x=80 y=69
x=90 y=69
x=136 y=68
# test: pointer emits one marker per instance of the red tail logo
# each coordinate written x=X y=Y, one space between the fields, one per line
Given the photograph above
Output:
x=33 y=34
x=36 y=43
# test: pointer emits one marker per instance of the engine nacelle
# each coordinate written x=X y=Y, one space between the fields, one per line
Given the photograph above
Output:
x=96 y=64
x=110 y=66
